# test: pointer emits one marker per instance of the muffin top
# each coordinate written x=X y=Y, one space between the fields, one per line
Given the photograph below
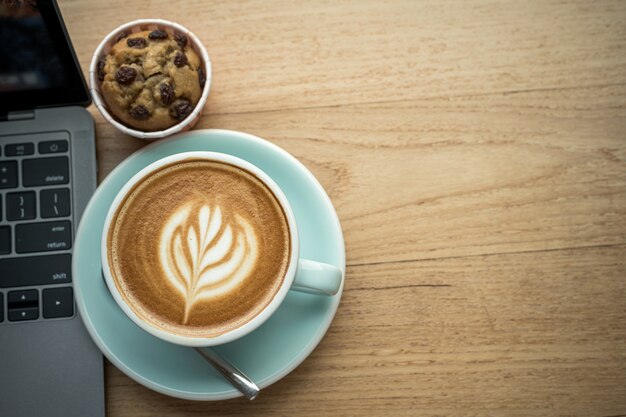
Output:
x=151 y=80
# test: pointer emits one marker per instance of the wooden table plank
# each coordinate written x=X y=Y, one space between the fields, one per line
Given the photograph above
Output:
x=515 y=334
x=284 y=54
x=454 y=177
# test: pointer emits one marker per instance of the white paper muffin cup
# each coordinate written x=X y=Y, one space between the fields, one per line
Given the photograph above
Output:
x=138 y=26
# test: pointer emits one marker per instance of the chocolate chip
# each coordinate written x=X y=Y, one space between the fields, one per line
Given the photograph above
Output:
x=125 y=75
x=138 y=43
x=101 y=73
x=167 y=93
x=181 y=109
x=158 y=34
x=181 y=39
x=139 y=112
x=121 y=36
x=180 y=59
x=201 y=77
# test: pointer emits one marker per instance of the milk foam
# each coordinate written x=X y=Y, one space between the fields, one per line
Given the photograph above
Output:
x=204 y=254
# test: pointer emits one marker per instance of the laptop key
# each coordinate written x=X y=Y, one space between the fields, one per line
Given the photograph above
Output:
x=23 y=313
x=35 y=270
x=58 y=302
x=19 y=149
x=21 y=206
x=41 y=237
x=45 y=171
x=20 y=298
x=55 y=203
x=8 y=174
x=52 y=146
x=5 y=240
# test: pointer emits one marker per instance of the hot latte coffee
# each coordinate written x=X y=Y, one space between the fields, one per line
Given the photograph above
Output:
x=199 y=248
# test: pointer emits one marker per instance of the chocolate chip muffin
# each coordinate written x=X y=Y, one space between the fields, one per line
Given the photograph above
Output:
x=151 y=80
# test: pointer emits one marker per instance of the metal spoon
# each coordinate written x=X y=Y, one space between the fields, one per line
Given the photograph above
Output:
x=230 y=372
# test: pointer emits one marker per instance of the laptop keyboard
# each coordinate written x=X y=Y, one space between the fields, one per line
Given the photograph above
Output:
x=36 y=223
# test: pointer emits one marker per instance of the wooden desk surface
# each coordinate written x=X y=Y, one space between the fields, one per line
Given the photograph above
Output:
x=476 y=155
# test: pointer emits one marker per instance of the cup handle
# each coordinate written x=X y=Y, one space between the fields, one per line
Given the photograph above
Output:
x=317 y=278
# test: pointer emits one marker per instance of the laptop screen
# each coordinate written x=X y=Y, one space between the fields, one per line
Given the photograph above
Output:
x=37 y=64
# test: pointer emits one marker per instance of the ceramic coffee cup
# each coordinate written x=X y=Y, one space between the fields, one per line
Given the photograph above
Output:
x=301 y=274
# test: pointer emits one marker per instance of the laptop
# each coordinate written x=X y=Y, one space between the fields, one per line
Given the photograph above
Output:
x=49 y=366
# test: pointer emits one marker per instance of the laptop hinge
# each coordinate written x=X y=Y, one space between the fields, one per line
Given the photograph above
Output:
x=19 y=115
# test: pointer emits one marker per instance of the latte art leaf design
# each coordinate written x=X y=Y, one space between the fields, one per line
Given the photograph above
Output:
x=204 y=254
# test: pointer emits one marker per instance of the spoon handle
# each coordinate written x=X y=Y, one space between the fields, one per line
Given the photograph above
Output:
x=229 y=371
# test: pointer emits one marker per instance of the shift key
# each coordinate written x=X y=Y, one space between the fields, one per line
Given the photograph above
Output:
x=46 y=171
x=35 y=270
x=43 y=237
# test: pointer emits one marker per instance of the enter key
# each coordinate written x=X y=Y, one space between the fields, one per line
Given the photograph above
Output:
x=43 y=237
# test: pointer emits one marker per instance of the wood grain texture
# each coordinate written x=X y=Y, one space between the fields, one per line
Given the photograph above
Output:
x=515 y=334
x=476 y=155
x=460 y=176
x=282 y=54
